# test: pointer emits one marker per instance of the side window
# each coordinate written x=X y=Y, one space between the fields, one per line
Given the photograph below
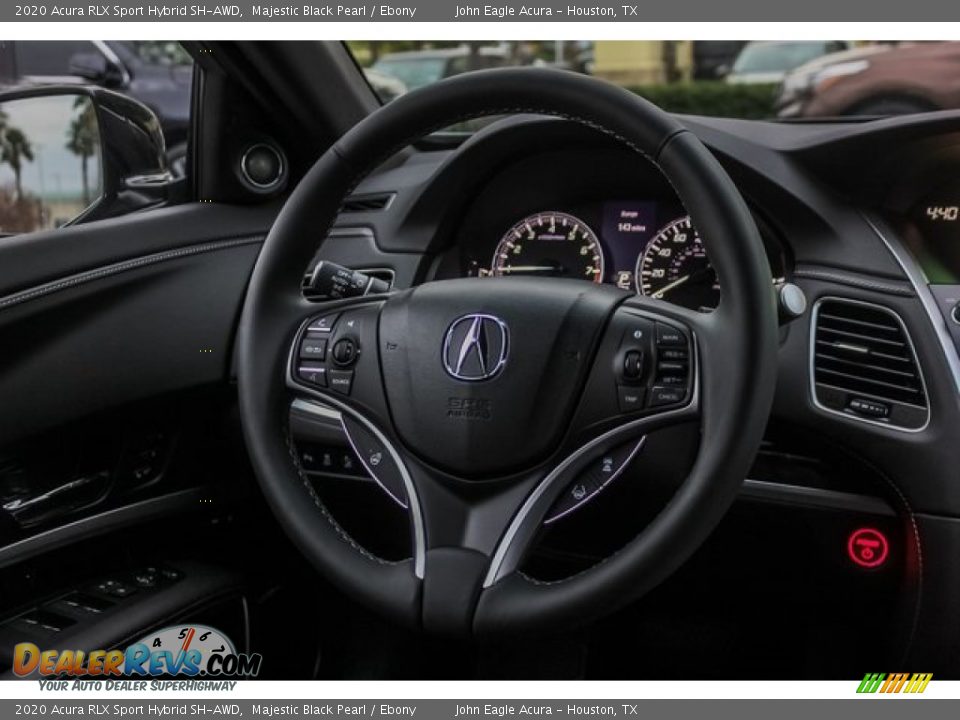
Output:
x=48 y=58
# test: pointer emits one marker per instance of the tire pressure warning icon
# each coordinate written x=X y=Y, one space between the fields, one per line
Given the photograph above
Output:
x=868 y=547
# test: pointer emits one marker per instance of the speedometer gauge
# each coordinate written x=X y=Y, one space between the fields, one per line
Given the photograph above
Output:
x=550 y=244
x=674 y=266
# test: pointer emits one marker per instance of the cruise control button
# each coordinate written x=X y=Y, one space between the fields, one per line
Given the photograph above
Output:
x=579 y=492
x=673 y=354
x=313 y=347
x=660 y=395
x=637 y=332
x=341 y=381
x=668 y=335
x=313 y=374
x=376 y=459
x=671 y=367
x=674 y=380
x=324 y=324
x=630 y=397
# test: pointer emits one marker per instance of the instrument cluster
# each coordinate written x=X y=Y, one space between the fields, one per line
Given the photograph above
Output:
x=646 y=246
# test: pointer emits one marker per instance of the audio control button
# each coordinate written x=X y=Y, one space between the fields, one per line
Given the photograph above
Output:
x=344 y=352
x=313 y=374
x=341 y=381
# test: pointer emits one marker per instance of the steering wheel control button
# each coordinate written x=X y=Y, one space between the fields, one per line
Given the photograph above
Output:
x=673 y=354
x=630 y=397
x=376 y=459
x=868 y=547
x=579 y=492
x=313 y=374
x=663 y=395
x=313 y=347
x=612 y=462
x=671 y=373
x=341 y=381
x=637 y=332
x=344 y=352
x=633 y=365
x=324 y=324
x=669 y=335
x=600 y=473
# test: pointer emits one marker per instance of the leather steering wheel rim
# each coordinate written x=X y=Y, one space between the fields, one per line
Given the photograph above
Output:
x=737 y=344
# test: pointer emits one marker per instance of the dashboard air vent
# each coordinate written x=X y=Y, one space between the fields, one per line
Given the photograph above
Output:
x=367 y=203
x=864 y=365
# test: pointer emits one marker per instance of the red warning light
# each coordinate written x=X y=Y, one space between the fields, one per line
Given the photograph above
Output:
x=868 y=547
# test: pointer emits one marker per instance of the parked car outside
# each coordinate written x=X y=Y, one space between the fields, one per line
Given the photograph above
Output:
x=876 y=80
x=768 y=62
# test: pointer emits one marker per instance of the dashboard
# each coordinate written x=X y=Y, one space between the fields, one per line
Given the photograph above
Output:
x=598 y=216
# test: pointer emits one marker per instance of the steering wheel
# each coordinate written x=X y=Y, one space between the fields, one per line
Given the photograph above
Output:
x=478 y=403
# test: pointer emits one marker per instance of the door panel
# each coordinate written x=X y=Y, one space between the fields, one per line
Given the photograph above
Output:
x=137 y=307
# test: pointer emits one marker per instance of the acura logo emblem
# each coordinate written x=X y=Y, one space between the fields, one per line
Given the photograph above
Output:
x=475 y=347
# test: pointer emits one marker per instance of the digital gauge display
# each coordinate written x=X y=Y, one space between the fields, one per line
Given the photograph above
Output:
x=936 y=242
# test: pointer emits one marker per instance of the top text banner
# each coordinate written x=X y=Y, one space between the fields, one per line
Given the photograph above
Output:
x=465 y=11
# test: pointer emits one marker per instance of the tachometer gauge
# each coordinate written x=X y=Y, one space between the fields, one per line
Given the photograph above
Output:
x=551 y=244
x=674 y=266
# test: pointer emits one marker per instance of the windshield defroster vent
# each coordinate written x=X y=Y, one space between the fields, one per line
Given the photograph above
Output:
x=863 y=365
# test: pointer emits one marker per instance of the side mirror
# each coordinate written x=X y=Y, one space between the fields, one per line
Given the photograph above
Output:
x=722 y=70
x=96 y=68
x=71 y=154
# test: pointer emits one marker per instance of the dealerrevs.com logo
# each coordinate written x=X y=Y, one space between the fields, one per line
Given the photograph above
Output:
x=912 y=683
x=178 y=650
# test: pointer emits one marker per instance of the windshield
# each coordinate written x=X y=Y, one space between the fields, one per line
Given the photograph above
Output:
x=763 y=57
x=411 y=71
x=786 y=80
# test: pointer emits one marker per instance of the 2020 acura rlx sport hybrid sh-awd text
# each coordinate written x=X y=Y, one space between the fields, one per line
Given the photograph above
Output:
x=512 y=375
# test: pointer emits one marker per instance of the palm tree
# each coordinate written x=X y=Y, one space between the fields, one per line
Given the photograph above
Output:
x=14 y=149
x=83 y=139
